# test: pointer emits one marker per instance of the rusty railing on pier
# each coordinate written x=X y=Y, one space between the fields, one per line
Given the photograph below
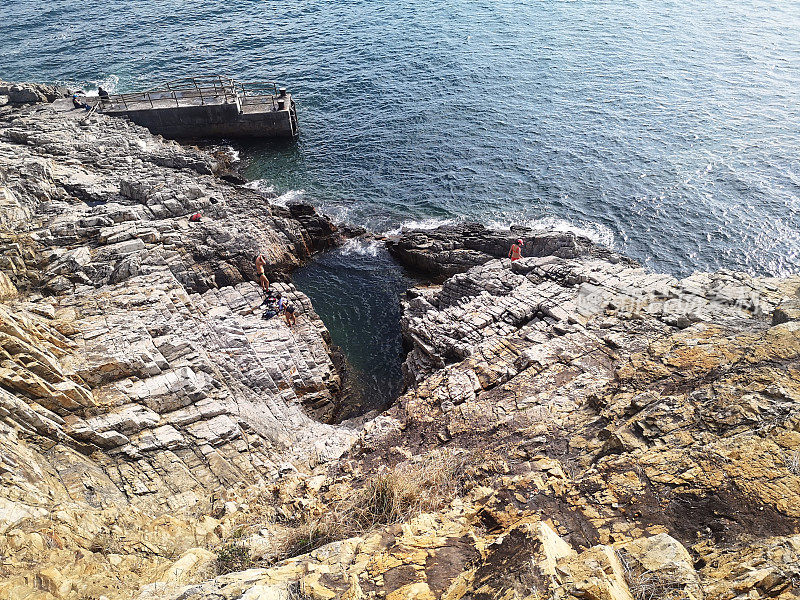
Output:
x=210 y=89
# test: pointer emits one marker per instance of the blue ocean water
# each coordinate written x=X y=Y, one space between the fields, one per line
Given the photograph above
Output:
x=668 y=129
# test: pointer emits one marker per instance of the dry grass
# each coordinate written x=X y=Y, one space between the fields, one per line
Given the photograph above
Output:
x=650 y=585
x=106 y=542
x=394 y=496
x=233 y=557
x=310 y=535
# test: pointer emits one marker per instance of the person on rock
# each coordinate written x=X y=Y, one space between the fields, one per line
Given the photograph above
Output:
x=515 y=253
x=261 y=262
x=78 y=103
x=282 y=303
x=104 y=97
x=288 y=313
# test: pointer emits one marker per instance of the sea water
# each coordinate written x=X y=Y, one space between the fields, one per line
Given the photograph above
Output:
x=356 y=290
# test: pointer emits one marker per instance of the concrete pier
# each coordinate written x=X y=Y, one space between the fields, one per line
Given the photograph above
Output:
x=208 y=107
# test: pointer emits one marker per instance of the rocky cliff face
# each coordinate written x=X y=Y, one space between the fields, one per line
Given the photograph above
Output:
x=20 y=94
x=574 y=425
x=137 y=370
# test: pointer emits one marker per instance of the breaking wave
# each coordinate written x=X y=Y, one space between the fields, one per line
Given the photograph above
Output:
x=233 y=153
x=289 y=197
x=360 y=247
x=599 y=234
x=261 y=186
x=431 y=223
x=264 y=187
x=109 y=84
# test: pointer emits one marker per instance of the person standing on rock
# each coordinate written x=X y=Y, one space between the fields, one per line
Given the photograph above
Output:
x=288 y=314
x=261 y=262
x=515 y=253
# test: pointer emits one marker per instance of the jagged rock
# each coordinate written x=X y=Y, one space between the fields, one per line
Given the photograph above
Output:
x=786 y=311
x=7 y=289
x=29 y=93
x=663 y=564
x=629 y=373
x=452 y=249
x=142 y=382
x=574 y=426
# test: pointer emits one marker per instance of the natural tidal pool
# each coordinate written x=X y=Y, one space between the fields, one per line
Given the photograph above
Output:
x=356 y=290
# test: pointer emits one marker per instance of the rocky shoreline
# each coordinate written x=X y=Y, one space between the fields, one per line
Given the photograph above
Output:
x=574 y=426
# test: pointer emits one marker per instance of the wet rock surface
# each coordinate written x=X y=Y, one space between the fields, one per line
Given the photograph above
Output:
x=574 y=426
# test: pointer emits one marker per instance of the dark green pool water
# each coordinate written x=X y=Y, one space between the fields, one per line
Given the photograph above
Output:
x=356 y=290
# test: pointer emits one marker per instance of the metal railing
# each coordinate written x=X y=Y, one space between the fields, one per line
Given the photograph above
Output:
x=257 y=92
x=210 y=89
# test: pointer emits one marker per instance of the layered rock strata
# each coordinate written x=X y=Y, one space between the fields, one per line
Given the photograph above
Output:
x=625 y=434
x=137 y=372
x=574 y=426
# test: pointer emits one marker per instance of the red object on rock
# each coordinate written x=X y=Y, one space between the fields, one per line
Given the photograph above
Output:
x=195 y=217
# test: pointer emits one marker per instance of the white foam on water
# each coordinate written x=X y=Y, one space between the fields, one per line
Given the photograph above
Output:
x=432 y=223
x=360 y=247
x=339 y=214
x=288 y=197
x=263 y=186
x=260 y=185
x=233 y=153
x=109 y=84
x=599 y=234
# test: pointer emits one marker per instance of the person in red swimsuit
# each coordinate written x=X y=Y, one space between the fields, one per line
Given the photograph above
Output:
x=515 y=253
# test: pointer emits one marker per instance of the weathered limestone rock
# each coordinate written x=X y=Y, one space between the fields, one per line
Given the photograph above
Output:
x=673 y=403
x=29 y=93
x=452 y=249
x=134 y=378
x=661 y=560
x=7 y=289
x=573 y=426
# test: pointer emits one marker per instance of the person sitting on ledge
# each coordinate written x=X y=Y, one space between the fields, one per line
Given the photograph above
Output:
x=104 y=97
x=77 y=103
x=515 y=253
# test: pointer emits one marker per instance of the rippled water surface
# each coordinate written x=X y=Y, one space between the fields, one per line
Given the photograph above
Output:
x=356 y=290
x=669 y=129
